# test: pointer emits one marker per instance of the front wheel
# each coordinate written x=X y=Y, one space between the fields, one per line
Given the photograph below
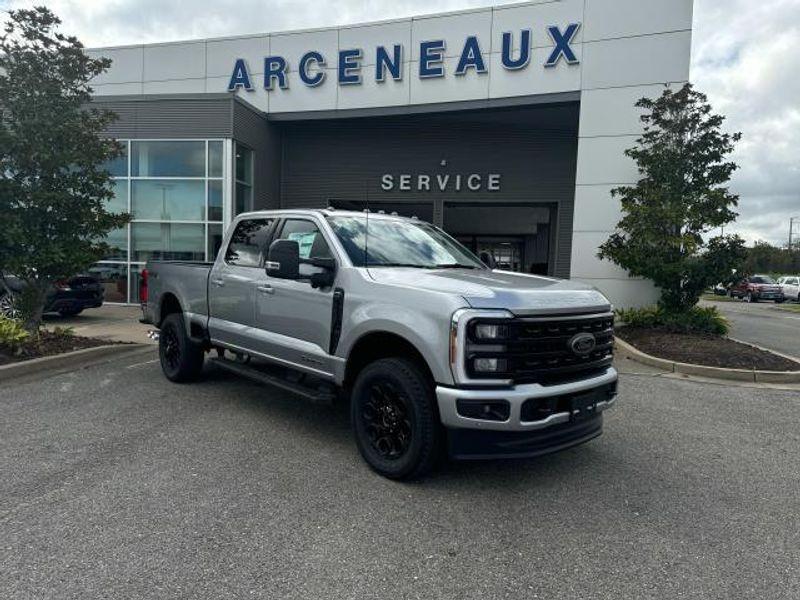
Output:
x=395 y=423
x=749 y=297
x=181 y=358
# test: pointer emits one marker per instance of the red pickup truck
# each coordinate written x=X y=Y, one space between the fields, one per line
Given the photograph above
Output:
x=757 y=287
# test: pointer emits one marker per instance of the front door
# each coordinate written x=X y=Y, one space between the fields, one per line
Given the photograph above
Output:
x=294 y=319
x=231 y=284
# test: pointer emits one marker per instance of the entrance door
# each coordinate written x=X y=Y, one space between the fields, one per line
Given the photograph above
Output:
x=508 y=254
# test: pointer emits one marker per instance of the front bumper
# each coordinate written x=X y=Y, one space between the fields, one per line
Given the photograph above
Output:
x=447 y=398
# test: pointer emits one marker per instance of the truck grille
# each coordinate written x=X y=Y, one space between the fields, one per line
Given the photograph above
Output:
x=543 y=350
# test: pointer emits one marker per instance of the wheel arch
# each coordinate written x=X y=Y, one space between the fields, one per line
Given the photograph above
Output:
x=375 y=345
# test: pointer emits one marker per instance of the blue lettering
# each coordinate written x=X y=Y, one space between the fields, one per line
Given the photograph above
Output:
x=384 y=63
x=349 y=62
x=524 y=50
x=275 y=68
x=431 y=55
x=471 y=57
x=562 y=45
x=315 y=79
x=240 y=76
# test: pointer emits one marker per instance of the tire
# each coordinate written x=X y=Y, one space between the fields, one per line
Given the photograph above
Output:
x=397 y=390
x=72 y=312
x=181 y=358
x=8 y=307
x=750 y=298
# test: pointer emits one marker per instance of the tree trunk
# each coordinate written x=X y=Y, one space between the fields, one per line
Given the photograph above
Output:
x=32 y=301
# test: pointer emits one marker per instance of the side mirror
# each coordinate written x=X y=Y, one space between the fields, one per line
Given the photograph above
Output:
x=488 y=260
x=283 y=261
x=326 y=276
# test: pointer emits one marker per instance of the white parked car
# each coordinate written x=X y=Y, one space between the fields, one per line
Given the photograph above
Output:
x=790 y=284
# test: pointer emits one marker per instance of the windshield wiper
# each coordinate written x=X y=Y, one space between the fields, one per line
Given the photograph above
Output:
x=454 y=266
x=397 y=264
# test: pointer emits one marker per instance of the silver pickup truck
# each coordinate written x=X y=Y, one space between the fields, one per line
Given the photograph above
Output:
x=435 y=350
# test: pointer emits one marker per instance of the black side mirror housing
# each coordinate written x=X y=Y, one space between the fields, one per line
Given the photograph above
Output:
x=326 y=276
x=283 y=261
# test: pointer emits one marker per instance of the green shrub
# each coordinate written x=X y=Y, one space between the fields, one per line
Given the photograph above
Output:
x=698 y=319
x=12 y=333
x=63 y=332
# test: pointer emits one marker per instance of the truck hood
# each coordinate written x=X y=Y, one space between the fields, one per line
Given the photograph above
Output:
x=517 y=292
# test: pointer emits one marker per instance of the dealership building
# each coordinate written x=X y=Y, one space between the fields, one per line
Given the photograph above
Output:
x=505 y=126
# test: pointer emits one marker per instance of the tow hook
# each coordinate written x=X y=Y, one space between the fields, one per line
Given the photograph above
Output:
x=153 y=334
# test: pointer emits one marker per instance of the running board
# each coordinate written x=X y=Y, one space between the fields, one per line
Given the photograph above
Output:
x=321 y=395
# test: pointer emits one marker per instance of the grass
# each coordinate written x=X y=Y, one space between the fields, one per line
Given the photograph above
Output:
x=795 y=308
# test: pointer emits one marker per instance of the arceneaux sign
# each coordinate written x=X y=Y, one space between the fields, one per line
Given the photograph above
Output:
x=389 y=61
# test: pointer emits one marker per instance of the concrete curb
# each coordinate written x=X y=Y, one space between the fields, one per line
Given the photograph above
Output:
x=78 y=358
x=752 y=376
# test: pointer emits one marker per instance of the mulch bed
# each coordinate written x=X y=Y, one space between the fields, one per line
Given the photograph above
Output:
x=50 y=344
x=703 y=349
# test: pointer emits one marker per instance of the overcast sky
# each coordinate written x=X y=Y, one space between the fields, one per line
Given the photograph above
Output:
x=745 y=56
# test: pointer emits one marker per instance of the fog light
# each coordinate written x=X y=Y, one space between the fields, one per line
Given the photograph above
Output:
x=487 y=410
x=486 y=331
x=489 y=365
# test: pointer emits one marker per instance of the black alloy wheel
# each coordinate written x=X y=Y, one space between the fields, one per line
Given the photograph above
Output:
x=386 y=420
x=394 y=418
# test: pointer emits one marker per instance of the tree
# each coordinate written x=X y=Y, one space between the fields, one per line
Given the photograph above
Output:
x=53 y=184
x=680 y=198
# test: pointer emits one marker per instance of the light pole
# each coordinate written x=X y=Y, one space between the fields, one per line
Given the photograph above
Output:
x=791 y=229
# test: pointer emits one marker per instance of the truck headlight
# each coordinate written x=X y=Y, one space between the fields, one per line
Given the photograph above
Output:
x=490 y=331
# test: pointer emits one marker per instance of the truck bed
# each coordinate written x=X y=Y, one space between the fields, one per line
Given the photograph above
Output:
x=187 y=280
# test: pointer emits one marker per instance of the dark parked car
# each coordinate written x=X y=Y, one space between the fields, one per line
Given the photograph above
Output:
x=68 y=297
x=757 y=287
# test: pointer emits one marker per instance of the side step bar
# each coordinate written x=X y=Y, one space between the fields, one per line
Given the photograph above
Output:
x=321 y=395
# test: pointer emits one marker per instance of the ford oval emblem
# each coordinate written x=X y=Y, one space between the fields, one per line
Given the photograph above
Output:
x=582 y=343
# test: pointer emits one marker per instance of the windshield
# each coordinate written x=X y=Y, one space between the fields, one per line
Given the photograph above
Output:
x=762 y=279
x=396 y=243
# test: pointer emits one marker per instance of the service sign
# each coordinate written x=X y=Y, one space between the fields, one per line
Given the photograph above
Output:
x=388 y=61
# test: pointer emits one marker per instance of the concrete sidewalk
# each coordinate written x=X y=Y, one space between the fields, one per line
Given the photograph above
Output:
x=109 y=322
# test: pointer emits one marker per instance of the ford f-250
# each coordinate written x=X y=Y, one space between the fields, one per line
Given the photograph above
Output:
x=435 y=350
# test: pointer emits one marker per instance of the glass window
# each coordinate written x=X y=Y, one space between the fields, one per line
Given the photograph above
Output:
x=215 y=201
x=118 y=167
x=119 y=203
x=244 y=197
x=167 y=241
x=247 y=243
x=244 y=164
x=168 y=159
x=118 y=244
x=214 y=241
x=168 y=200
x=215 y=159
x=308 y=236
x=114 y=279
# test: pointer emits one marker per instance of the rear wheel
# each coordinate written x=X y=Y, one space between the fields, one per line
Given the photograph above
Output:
x=395 y=423
x=181 y=358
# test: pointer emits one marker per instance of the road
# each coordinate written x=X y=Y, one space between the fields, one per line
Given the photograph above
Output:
x=763 y=324
x=117 y=484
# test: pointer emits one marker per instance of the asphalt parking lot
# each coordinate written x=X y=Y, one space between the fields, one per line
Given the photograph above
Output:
x=117 y=484
x=764 y=324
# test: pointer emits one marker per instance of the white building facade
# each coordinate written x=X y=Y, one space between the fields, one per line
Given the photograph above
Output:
x=504 y=125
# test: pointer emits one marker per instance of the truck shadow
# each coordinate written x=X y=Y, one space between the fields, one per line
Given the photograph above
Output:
x=328 y=426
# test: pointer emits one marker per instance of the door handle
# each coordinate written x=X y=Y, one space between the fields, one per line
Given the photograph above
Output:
x=265 y=289
x=219 y=282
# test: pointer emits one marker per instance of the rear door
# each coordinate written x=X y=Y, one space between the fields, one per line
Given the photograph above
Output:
x=231 y=286
x=294 y=319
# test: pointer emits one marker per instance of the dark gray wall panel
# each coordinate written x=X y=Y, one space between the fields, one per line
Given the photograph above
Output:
x=159 y=117
x=254 y=131
x=345 y=160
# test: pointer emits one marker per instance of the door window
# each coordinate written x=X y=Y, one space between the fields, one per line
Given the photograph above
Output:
x=310 y=240
x=247 y=243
